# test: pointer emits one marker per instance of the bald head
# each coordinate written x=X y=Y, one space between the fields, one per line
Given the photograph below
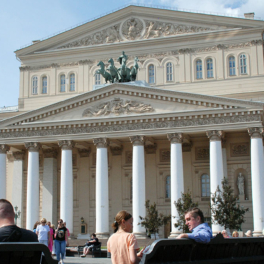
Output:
x=6 y=210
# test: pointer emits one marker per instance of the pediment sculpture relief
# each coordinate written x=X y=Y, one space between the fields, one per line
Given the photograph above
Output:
x=133 y=29
x=117 y=106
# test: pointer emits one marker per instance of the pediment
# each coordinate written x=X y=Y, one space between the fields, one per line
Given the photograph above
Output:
x=128 y=102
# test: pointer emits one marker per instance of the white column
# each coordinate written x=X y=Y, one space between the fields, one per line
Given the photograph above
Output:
x=18 y=185
x=32 y=184
x=49 y=192
x=177 y=181
x=257 y=179
x=66 y=184
x=102 y=197
x=216 y=167
x=138 y=185
x=3 y=149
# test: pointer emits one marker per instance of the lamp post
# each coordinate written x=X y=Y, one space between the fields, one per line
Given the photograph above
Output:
x=17 y=214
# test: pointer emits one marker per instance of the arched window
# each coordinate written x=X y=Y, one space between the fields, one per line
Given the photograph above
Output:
x=205 y=181
x=44 y=84
x=168 y=187
x=35 y=85
x=151 y=74
x=209 y=67
x=169 y=71
x=72 y=82
x=232 y=66
x=97 y=78
x=62 y=83
x=243 y=64
x=199 y=69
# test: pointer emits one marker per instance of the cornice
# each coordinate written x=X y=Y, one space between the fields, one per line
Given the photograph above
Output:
x=149 y=124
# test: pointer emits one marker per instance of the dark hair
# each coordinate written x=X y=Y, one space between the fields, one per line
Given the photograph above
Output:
x=36 y=224
x=93 y=234
x=194 y=212
x=121 y=215
x=6 y=209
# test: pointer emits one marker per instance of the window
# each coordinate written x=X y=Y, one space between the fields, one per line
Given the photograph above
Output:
x=62 y=83
x=72 y=82
x=232 y=66
x=199 y=69
x=44 y=84
x=97 y=78
x=168 y=187
x=205 y=185
x=151 y=73
x=243 y=64
x=35 y=85
x=169 y=72
x=209 y=67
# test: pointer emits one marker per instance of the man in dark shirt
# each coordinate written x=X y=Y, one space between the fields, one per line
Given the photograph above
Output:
x=91 y=243
x=9 y=232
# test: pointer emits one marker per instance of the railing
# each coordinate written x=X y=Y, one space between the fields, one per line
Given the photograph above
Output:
x=9 y=109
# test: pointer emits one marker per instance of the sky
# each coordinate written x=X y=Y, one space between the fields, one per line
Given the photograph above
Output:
x=27 y=20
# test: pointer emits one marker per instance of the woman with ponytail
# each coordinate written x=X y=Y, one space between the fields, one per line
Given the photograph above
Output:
x=122 y=244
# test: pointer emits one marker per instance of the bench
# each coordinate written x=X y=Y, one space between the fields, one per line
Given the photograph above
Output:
x=219 y=250
x=95 y=249
x=25 y=253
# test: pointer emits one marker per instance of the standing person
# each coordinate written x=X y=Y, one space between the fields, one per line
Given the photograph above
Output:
x=235 y=234
x=9 y=232
x=201 y=232
x=60 y=241
x=122 y=244
x=50 y=244
x=91 y=243
x=43 y=232
x=224 y=233
x=68 y=232
x=35 y=226
x=53 y=238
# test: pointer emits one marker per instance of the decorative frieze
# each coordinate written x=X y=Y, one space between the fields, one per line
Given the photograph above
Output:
x=66 y=144
x=84 y=152
x=101 y=142
x=137 y=140
x=239 y=149
x=4 y=148
x=214 y=135
x=255 y=132
x=202 y=153
x=33 y=146
x=175 y=137
x=165 y=155
x=50 y=153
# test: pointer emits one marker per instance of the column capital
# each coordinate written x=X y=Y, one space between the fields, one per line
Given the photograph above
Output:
x=33 y=146
x=215 y=135
x=101 y=142
x=137 y=140
x=175 y=137
x=255 y=132
x=66 y=144
x=50 y=153
x=4 y=148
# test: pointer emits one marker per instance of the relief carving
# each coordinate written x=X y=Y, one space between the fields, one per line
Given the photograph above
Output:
x=4 y=148
x=202 y=153
x=132 y=28
x=239 y=149
x=117 y=107
x=165 y=155
x=85 y=152
x=129 y=157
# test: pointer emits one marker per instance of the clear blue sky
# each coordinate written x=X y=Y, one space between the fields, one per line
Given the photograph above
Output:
x=25 y=20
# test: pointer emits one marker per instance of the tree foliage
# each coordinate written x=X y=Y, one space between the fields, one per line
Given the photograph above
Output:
x=153 y=220
x=225 y=209
x=182 y=205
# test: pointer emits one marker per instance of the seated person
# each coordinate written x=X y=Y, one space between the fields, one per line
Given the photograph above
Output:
x=89 y=245
x=201 y=232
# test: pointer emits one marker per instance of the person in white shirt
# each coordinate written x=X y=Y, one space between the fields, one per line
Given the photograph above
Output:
x=43 y=232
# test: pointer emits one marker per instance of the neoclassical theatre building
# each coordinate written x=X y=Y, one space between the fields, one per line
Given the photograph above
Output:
x=77 y=148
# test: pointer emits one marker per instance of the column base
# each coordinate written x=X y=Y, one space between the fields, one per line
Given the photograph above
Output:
x=142 y=235
x=103 y=235
x=174 y=234
x=257 y=233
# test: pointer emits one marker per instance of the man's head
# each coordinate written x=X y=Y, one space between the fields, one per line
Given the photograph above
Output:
x=93 y=235
x=7 y=213
x=193 y=218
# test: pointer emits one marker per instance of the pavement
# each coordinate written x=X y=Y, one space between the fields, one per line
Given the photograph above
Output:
x=97 y=260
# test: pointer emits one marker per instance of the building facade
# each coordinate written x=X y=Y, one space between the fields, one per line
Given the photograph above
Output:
x=79 y=148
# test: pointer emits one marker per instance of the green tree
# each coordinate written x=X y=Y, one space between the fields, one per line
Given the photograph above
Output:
x=225 y=209
x=182 y=205
x=153 y=220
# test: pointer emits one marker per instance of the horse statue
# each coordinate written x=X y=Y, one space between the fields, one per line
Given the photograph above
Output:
x=104 y=73
x=113 y=71
x=125 y=73
x=134 y=70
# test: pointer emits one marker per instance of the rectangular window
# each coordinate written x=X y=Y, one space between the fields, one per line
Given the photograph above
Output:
x=44 y=85
x=62 y=83
x=72 y=82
